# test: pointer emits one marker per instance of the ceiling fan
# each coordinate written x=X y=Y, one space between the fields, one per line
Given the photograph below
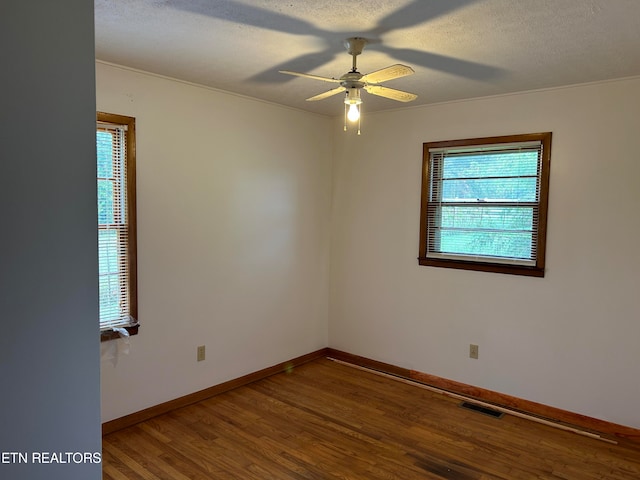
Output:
x=353 y=82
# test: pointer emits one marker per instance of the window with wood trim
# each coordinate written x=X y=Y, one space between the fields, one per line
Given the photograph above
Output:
x=116 y=176
x=484 y=204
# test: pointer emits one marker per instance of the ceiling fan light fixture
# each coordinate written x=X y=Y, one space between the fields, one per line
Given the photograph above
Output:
x=353 y=96
x=353 y=100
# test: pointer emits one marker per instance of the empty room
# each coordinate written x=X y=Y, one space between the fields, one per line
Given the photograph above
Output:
x=330 y=240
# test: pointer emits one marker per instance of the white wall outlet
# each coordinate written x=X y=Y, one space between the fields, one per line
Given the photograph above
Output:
x=473 y=351
x=201 y=353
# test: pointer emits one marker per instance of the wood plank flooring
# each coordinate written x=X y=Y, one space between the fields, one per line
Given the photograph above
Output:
x=325 y=420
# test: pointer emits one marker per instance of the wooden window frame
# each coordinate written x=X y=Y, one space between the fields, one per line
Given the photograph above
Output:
x=537 y=270
x=132 y=245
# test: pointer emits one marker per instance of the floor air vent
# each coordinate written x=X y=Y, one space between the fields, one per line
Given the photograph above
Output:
x=483 y=410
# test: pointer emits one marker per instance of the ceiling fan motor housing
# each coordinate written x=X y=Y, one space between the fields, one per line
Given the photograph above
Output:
x=352 y=80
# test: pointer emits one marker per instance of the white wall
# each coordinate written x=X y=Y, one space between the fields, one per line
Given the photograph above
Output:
x=49 y=364
x=236 y=199
x=568 y=340
x=233 y=236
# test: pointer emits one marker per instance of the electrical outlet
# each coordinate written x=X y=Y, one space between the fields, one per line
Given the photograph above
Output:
x=201 y=353
x=473 y=351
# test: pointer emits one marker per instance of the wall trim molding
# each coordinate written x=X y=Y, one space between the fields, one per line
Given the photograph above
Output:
x=520 y=405
x=147 y=413
x=499 y=399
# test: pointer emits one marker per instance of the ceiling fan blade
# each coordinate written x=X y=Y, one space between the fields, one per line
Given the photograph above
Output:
x=391 y=93
x=330 y=93
x=307 y=75
x=388 y=73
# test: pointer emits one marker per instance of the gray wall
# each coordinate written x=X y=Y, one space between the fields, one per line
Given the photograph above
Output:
x=49 y=345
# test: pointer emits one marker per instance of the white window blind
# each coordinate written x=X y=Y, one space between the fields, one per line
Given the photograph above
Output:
x=484 y=202
x=113 y=227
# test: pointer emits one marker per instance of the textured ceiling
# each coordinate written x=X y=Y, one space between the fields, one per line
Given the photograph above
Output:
x=458 y=48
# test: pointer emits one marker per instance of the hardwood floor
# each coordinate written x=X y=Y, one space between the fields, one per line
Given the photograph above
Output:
x=324 y=420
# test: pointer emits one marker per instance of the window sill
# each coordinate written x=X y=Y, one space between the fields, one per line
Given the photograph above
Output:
x=107 y=335
x=484 y=267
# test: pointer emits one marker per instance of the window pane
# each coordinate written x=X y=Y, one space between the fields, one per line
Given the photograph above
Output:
x=486 y=231
x=104 y=144
x=108 y=258
x=105 y=202
x=488 y=218
x=493 y=244
x=109 y=297
x=509 y=164
x=494 y=189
